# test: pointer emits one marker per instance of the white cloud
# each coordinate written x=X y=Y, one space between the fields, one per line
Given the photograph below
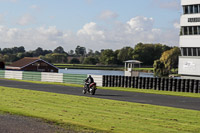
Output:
x=140 y=23
x=91 y=30
x=1 y=18
x=91 y=36
x=35 y=7
x=105 y=15
x=177 y=25
x=26 y=20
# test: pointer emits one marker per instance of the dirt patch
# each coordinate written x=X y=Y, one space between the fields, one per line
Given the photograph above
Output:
x=21 y=124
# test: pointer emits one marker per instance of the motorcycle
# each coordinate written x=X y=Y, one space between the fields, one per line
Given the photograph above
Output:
x=91 y=90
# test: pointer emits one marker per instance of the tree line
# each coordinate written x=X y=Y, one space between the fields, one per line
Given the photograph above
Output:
x=146 y=53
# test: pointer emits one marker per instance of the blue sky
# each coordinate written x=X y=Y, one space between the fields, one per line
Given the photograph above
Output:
x=94 y=24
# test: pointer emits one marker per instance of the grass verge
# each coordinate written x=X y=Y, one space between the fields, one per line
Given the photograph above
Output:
x=150 y=91
x=98 y=115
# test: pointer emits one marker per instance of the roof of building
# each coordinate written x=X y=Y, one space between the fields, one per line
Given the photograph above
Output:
x=24 y=61
x=133 y=61
x=27 y=61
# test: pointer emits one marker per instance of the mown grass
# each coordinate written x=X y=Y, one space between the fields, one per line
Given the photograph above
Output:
x=95 y=67
x=92 y=114
x=86 y=66
x=151 y=91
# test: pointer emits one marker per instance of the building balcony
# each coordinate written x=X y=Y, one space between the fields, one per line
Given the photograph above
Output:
x=190 y=20
x=190 y=41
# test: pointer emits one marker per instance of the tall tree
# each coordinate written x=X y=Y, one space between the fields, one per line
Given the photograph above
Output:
x=80 y=50
x=124 y=54
x=167 y=62
x=59 y=50
x=108 y=57
x=148 y=53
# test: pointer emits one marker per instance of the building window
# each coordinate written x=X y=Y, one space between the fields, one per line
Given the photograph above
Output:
x=190 y=51
x=194 y=52
x=184 y=51
x=195 y=8
x=190 y=30
x=191 y=9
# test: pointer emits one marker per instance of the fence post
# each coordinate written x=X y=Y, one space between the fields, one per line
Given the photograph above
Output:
x=169 y=84
x=198 y=89
x=158 y=84
x=174 y=84
x=191 y=86
x=122 y=81
x=150 y=83
x=132 y=82
x=125 y=81
x=129 y=82
x=139 y=83
x=147 y=83
x=183 y=85
x=154 y=83
x=143 y=82
x=178 y=86
x=136 y=82
x=166 y=85
x=187 y=81
x=103 y=83
x=195 y=86
x=162 y=84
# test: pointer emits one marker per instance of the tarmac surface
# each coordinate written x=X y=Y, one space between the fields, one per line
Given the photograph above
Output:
x=20 y=124
x=144 y=98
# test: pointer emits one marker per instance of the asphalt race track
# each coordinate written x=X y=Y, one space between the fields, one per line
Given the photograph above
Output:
x=154 y=99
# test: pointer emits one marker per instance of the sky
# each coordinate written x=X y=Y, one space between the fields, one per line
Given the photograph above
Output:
x=94 y=24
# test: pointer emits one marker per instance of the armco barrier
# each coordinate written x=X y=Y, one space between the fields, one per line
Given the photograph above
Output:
x=33 y=76
x=164 y=84
x=2 y=74
x=74 y=78
x=98 y=79
x=52 y=77
x=13 y=74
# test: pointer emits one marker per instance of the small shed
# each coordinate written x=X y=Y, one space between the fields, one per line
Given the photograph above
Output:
x=2 y=65
x=32 y=64
x=129 y=65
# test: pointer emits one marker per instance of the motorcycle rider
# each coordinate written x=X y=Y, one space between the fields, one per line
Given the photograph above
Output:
x=89 y=81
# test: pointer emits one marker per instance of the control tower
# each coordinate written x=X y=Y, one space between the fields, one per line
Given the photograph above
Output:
x=189 y=61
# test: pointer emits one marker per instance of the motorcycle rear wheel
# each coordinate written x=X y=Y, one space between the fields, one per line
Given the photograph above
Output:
x=84 y=91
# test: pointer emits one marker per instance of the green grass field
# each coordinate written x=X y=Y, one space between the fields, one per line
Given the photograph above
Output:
x=98 y=115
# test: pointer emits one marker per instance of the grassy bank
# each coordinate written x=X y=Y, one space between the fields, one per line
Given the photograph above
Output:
x=92 y=114
x=95 y=67
x=92 y=67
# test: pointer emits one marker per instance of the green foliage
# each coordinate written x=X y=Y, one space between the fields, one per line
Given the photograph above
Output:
x=125 y=54
x=55 y=58
x=148 y=53
x=80 y=50
x=90 y=60
x=59 y=50
x=108 y=57
x=145 y=53
x=167 y=62
x=74 y=61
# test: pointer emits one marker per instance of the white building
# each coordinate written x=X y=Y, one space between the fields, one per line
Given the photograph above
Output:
x=189 y=62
